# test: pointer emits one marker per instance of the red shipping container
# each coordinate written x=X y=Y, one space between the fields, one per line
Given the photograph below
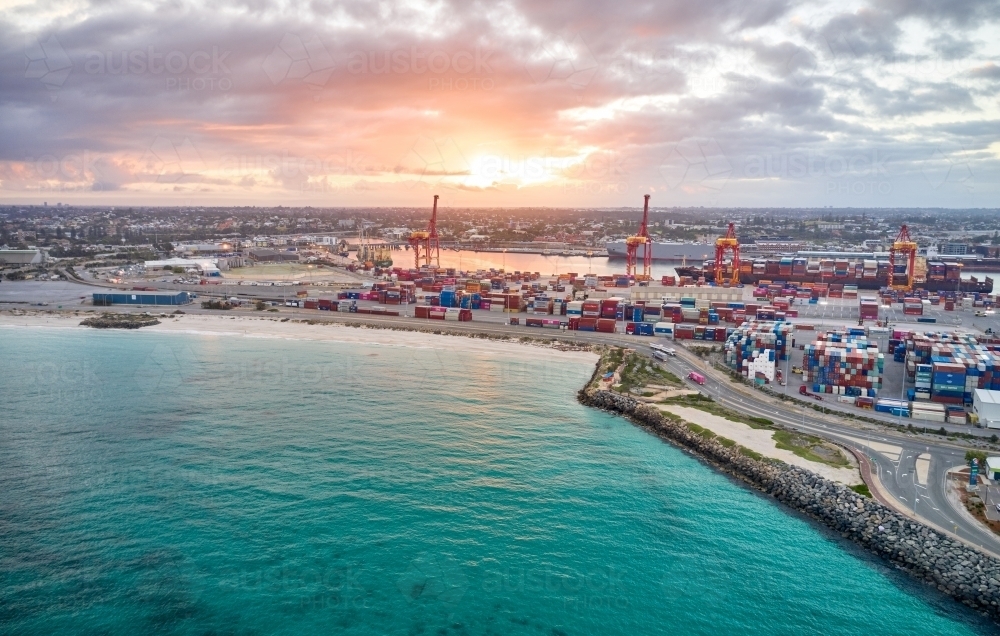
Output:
x=606 y=325
x=311 y=304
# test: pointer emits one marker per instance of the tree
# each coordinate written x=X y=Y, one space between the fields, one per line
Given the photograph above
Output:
x=974 y=454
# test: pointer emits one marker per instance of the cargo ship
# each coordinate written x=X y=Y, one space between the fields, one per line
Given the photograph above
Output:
x=665 y=251
x=866 y=271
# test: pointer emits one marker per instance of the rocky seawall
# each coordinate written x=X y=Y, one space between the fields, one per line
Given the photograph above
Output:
x=963 y=573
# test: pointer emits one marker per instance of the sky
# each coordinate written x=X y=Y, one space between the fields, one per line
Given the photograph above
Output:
x=881 y=103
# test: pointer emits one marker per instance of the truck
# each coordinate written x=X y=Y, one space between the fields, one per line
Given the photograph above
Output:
x=804 y=391
x=696 y=377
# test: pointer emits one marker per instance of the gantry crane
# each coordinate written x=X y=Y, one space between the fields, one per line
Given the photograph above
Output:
x=904 y=251
x=723 y=244
x=425 y=242
x=632 y=244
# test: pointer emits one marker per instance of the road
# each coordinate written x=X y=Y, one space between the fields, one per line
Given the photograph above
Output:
x=913 y=472
x=912 y=469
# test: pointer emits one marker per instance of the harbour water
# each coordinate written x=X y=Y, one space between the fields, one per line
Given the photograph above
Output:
x=556 y=264
x=541 y=263
x=196 y=483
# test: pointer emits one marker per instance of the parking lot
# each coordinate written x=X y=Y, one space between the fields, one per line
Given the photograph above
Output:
x=51 y=293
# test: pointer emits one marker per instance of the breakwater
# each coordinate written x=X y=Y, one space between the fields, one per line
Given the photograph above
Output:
x=963 y=573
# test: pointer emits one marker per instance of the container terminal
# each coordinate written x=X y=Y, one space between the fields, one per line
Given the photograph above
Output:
x=772 y=331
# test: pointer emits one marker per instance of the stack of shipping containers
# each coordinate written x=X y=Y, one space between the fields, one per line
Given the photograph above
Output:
x=748 y=344
x=843 y=364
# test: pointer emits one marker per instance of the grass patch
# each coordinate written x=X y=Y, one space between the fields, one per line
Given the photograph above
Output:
x=751 y=454
x=725 y=441
x=703 y=351
x=810 y=448
x=862 y=489
x=639 y=370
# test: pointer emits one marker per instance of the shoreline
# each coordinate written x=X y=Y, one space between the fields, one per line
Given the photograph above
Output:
x=267 y=327
x=962 y=573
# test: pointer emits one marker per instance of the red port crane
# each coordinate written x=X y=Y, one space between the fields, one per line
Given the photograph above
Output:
x=632 y=244
x=730 y=244
x=425 y=242
x=902 y=254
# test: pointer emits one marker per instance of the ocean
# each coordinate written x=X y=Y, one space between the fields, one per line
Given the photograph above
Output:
x=198 y=483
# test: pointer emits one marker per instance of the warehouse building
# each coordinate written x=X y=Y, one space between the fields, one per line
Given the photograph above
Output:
x=20 y=257
x=207 y=267
x=986 y=406
x=273 y=256
x=141 y=298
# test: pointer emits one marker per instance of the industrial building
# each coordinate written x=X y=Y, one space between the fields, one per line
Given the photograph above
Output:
x=206 y=266
x=273 y=256
x=141 y=298
x=992 y=468
x=20 y=257
x=986 y=406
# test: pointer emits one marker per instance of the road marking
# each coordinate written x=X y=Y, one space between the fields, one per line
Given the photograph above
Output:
x=891 y=452
x=923 y=468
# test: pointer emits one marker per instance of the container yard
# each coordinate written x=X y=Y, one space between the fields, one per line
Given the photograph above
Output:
x=834 y=335
x=843 y=364
x=830 y=330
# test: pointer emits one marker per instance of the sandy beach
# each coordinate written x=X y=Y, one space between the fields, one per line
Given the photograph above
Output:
x=269 y=327
x=760 y=440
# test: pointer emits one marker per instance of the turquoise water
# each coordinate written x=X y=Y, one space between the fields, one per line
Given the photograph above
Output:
x=195 y=484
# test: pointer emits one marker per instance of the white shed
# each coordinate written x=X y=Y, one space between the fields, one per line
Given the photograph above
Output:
x=986 y=405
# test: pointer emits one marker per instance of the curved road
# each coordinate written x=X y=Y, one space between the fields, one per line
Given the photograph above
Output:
x=912 y=471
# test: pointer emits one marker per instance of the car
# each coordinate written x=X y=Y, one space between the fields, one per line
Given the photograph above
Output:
x=998 y=507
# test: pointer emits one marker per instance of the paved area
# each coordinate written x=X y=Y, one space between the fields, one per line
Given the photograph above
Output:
x=991 y=496
x=52 y=293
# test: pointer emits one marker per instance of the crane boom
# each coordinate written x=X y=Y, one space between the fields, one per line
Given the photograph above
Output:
x=632 y=244
x=425 y=242
x=723 y=245
x=903 y=254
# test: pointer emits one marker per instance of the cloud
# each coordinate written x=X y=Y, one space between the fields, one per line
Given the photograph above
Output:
x=160 y=95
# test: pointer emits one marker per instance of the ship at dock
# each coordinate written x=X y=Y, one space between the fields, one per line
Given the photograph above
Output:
x=865 y=270
x=664 y=251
